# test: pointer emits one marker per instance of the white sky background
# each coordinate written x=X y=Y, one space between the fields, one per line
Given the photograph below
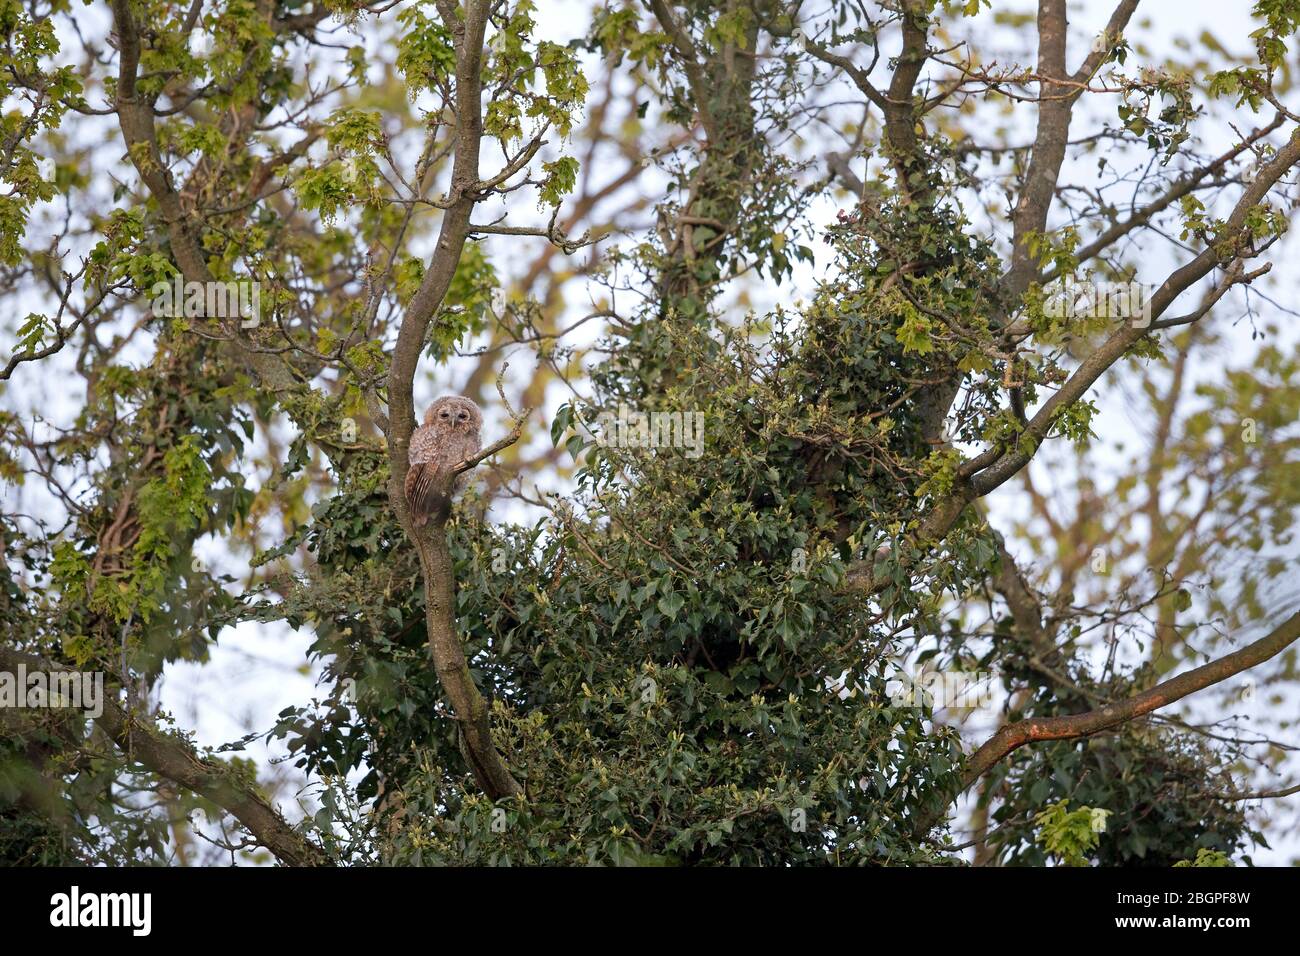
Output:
x=257 y=670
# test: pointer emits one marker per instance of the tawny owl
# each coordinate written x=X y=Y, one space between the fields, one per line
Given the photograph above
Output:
x=449 y=435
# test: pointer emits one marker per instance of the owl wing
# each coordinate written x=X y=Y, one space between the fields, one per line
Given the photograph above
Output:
x=423 y=496
x=421 y=486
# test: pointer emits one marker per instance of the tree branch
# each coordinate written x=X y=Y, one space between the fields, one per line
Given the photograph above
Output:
x=1070 y=727
x=467 y=703
x=171 y=757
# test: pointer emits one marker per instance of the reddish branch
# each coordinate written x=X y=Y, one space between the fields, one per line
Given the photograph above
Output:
x=1070 y=727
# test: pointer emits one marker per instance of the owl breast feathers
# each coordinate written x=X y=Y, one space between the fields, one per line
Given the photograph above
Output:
x=449 y=435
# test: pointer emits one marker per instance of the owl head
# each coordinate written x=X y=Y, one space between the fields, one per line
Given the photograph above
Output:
x=454 y=412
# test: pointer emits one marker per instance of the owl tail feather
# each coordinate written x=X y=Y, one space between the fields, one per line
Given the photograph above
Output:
x=426 y=492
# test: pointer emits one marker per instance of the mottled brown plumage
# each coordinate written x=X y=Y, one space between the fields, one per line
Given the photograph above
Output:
x=449 y=435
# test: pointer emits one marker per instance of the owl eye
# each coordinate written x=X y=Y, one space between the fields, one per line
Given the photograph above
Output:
x=462 y=416
x=445 y=415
